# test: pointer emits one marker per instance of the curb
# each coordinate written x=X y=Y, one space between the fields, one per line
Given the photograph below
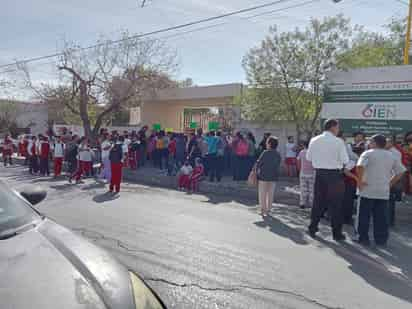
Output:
x=241 y=191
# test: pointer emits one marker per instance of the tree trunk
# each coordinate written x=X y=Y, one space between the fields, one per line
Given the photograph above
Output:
x=84 y=113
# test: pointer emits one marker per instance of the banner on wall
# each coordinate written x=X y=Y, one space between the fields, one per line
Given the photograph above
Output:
x=372 y=100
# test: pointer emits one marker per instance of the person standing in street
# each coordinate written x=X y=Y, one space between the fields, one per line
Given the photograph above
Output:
x=290 y=161
x=211 y=155
x=58 y=155
x=116 y=157
x=267 y=172
x=378 y=170
x=33 y=159
x=7 y=150
x=397 y=188
x=306 y=178
x=328 y=155
x=44 y=154
x=105 y=146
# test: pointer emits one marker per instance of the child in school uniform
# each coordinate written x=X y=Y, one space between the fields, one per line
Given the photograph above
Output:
x=184 y=178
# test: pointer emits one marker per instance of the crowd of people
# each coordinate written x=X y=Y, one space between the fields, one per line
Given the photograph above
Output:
x=332 y=173
x=191 y=157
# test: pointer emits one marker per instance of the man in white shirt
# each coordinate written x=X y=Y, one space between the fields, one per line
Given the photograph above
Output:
x=328 y=155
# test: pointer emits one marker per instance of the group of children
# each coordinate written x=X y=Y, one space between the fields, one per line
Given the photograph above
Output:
x=189 y=177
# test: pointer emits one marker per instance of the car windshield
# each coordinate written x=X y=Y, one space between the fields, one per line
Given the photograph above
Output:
x=14 y=211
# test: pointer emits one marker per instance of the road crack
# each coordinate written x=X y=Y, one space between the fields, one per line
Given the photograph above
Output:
x=96 y=236
x=237 y=288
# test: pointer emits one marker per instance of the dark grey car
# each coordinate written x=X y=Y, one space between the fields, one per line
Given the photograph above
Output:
x=44 y=265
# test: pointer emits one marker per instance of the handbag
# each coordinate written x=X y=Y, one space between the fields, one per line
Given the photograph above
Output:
x=253 y=179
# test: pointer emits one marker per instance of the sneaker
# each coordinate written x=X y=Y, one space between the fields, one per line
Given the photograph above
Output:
x=312 y=233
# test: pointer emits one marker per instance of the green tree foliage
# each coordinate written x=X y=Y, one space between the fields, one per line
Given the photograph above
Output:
x=370 y=49
x=287 y=69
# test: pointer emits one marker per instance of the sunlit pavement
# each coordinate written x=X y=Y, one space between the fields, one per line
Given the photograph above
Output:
x=216 y=252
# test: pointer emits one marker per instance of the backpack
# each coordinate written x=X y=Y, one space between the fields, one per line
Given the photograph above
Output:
x=242 y=148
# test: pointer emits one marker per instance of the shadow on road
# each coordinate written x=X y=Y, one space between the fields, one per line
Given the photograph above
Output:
x=283 y=230
x=95 y=185
x=63 y=187
x=374 y=271
x=105 y=197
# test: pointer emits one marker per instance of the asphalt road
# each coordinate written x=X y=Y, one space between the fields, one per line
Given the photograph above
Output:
x=202 y=252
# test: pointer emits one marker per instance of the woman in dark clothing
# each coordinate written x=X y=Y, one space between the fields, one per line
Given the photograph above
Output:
x=180 y=150
x=195 y=153
x=267 y=169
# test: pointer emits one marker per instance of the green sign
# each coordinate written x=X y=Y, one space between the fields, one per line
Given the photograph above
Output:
x=193 y=125
x=213 y=125
x=157 y=127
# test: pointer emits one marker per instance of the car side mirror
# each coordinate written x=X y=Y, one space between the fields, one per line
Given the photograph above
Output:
x=33 y=194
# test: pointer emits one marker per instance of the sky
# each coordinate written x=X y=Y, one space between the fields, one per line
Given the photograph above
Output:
x=31 y=28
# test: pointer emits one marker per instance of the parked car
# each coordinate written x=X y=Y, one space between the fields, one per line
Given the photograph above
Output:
x=44 y=265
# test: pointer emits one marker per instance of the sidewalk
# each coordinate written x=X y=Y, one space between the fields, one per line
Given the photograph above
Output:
x=286 y=189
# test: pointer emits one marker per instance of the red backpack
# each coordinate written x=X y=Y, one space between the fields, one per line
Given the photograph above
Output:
x=242 y=148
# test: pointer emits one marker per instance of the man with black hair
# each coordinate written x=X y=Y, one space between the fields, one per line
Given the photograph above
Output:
x=378 y=170
x=359 y=144
x=328 y=155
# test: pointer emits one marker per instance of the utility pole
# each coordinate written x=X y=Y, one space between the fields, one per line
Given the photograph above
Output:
x=408 y=36
x=143 y=3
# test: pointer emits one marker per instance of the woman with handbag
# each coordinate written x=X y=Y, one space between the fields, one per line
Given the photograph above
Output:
x=267 y=172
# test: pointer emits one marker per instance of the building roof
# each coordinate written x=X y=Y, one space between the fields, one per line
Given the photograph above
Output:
x=199 y=92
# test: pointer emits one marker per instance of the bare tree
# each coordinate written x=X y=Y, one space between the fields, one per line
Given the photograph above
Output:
x=111 y=75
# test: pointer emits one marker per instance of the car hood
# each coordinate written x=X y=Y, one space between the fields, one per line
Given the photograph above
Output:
x=51 y=267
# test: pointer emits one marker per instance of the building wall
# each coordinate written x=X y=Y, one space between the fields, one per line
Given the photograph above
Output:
x=170 y=113
x=33 y=115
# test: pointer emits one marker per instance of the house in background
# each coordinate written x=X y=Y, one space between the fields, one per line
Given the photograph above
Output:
x=178 y=108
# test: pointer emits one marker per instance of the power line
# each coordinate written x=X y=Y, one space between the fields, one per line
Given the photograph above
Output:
x=196 y=22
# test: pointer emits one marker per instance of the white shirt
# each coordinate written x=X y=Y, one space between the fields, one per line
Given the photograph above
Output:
x=85 y=154
x=186 y=169
x=105 y=153
x=290 y=150
x=326 y=151
x=29 y=148
x=125 y=148
x=58 y=150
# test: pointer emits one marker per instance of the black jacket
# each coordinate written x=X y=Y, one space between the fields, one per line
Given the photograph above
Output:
x=268 y=165
x=116 y=154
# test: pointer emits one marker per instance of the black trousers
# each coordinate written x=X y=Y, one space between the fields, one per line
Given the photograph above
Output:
x=378 y=210
x=328 y=194
x=72 y=166
x=215 y=165
x=44 y=166
x=348 y=202
x=33 y=164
